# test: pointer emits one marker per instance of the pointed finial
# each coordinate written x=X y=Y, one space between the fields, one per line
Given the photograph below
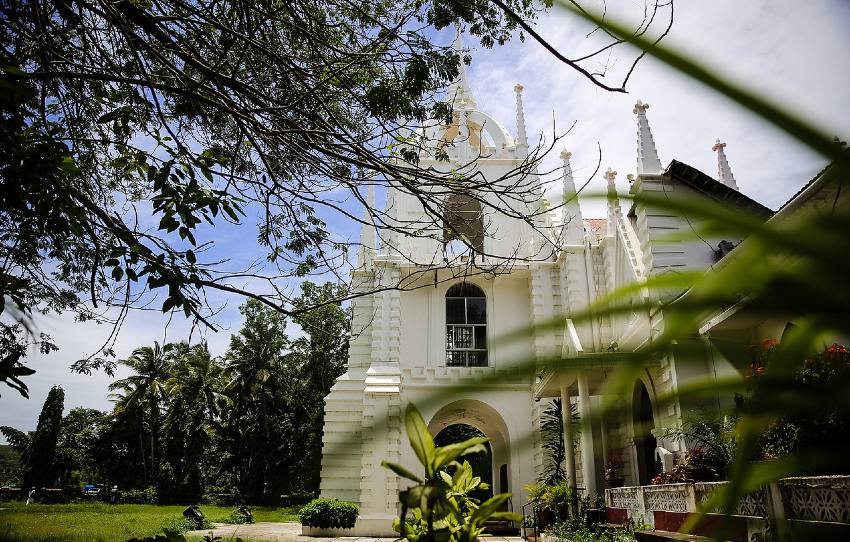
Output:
x=613 y=203
x=640 y=107
x=522 y=137
x=460 y=92
x=568 y=182
x=647 y=156
x=724 y=172
x=572 y=224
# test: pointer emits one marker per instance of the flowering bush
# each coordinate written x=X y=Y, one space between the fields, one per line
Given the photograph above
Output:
x=698 y=466
x=815 y=378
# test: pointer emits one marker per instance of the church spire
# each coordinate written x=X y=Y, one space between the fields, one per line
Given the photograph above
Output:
x=724 y=172
x=613 y=203
x=522 y=137
x=367 y=231
x=573 y=228
x=647 y=156
x=460 y=92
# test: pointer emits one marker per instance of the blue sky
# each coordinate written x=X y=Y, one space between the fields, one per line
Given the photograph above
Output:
x=796 y=53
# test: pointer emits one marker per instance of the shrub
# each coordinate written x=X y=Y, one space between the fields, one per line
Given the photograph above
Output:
x=239 y=516
x=329 y=514
x=183 y=524
x=139 y=496
x=577 y=531
x=827 y=428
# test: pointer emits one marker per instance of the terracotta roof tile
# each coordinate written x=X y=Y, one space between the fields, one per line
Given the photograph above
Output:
x=596 y=224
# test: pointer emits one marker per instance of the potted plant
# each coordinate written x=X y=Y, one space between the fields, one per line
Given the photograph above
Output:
x=698 y=466
x=539 y=494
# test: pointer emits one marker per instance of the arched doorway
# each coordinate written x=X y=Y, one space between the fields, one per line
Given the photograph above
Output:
x=645 y=443
x=482 y=464
x=484 y=419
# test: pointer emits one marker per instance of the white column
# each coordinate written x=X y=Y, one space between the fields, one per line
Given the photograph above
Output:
x=569 y=443
x=603 y=432
x=588 y=456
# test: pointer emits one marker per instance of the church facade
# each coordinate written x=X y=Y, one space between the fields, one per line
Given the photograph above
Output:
x=458 y=345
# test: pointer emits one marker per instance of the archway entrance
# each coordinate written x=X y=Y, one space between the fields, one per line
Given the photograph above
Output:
x=645 y=443
x=482 y=464
x=474 y=415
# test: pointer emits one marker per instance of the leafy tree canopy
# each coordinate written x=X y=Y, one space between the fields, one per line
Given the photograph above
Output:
x=132 y=128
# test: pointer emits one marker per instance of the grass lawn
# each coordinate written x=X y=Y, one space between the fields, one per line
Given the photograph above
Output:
x=106 y=523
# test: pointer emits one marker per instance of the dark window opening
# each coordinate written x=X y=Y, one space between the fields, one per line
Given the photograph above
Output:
x=466 y=326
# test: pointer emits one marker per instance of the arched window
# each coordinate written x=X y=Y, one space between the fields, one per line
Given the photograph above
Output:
x=463 y=219
x=466 y=326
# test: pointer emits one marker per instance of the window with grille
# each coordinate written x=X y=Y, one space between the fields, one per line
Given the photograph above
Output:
x=466 y=326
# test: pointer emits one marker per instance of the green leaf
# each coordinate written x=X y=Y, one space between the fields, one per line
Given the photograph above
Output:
x=401 y=471
x=170 y=303
x=114 y=115
x=446 y=454
x=420 y=438
x=508 y=516
x=489 y=507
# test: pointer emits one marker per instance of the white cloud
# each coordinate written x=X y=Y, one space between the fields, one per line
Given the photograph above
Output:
x=793 y=53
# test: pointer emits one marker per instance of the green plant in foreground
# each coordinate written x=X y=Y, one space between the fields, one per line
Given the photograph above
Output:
x=329 y=514
x=439 y=504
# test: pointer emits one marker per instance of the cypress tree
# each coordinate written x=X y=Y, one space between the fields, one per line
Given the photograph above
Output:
x=40 y=458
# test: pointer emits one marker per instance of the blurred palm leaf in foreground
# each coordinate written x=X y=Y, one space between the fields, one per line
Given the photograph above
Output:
x=793 y=267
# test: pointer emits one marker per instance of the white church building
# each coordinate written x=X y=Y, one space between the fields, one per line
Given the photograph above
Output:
x=450 y=328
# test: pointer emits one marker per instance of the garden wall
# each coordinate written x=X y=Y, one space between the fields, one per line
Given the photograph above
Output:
x=808 y=502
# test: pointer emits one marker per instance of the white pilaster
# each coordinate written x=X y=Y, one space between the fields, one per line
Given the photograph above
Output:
x=390 y=238
x=366 y=253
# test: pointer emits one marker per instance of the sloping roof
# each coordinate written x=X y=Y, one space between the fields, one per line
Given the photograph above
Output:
x=704 y=184
x=808 y=184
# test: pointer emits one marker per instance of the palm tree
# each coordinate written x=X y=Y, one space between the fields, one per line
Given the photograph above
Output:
x=255 y=372
x=145 y=390
x=194 y=410
x=198 y=378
